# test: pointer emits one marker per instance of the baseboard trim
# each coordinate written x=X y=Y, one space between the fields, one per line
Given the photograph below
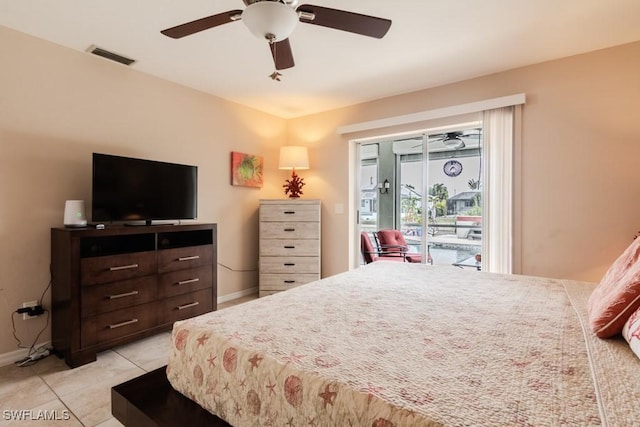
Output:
x=21 y=353
x=13 y=356
x=236 y=295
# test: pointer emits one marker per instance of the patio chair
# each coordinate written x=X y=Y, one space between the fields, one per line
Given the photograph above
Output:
x=371 y=253
x=393 y=240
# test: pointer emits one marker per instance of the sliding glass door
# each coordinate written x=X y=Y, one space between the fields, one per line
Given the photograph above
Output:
x=428 y=186
x=455 y=194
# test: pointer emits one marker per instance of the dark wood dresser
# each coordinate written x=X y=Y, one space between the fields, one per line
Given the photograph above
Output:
x=120 y=284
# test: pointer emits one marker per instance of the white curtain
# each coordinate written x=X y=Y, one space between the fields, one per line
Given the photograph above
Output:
x=497 y=164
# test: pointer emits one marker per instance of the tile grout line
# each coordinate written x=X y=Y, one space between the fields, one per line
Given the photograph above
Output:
x=60 y=400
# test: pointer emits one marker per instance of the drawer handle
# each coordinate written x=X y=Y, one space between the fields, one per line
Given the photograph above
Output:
x=191 y=304
x=123 y=267
x=126 y=294
x=184 y=282
x=289 y=229
x=189 y=258
x=289 y=281
x=289 y=264
x=289 y=212
x=121 y=324
x=289 y=247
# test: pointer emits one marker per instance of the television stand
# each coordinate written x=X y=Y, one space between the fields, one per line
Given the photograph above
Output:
x=113 y=286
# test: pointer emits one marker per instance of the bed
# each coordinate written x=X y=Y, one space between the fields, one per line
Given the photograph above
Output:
x=400 y=344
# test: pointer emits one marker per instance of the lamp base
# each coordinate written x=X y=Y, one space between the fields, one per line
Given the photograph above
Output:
x=293 y=186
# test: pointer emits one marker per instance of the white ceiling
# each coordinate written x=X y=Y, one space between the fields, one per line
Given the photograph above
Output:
x=430 y=43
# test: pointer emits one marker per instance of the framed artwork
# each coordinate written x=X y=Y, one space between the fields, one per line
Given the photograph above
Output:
x=246 y=169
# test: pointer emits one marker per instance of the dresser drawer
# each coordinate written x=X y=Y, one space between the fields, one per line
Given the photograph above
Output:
x=295 y=265
x=113 y=296
x=289 y=247
x=186 y=305
x=281 y=282
x=185 y=281
x=290 y=230
x=116 y=324
x=183 y=258
x=110 y=268
x=289 y=212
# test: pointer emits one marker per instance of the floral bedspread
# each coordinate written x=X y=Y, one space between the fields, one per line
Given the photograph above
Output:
x=393 y=344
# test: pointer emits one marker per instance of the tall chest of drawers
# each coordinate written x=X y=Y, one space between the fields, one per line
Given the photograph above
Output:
x=289 y=244
x=116 y=285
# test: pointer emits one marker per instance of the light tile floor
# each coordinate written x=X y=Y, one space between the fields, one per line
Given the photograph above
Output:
x=52 y=394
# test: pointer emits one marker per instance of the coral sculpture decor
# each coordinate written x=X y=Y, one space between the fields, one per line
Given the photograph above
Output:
x=293 y=186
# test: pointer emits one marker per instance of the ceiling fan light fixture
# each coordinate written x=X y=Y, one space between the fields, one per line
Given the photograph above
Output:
x=452 y=141
x=270 y=20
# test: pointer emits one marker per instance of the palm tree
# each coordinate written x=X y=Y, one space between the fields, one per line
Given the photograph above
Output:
x=440 y=194
x=410 y=205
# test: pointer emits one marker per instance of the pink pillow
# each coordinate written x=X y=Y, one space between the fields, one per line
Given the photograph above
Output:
x=617 y=295
x=631 y=332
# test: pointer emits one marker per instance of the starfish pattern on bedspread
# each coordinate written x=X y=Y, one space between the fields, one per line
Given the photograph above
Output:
x=500 y=344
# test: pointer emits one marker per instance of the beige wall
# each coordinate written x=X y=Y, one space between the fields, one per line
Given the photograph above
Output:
x=57 y=106
x=579 y=193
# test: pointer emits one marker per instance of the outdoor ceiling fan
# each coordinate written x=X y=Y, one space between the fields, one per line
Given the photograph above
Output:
x=275 y=20
x=454 y=139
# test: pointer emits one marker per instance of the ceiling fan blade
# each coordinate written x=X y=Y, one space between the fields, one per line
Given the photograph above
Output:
x=202 y=24
x=282 y=54
x=342 y=20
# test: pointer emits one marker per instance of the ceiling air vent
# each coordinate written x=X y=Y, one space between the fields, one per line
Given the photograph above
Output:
x=110 y=55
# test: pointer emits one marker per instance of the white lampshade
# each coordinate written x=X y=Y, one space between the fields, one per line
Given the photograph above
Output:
x=266 y=18
x=293 y=157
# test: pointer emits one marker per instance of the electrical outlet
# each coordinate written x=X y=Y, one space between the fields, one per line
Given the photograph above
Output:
x=25 y=316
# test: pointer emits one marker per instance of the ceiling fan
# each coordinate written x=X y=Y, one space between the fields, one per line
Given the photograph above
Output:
x=454 y=139
x=451 y=140
x=275 y=20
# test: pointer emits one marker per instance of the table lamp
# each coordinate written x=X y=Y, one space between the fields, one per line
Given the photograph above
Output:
x=292 y=158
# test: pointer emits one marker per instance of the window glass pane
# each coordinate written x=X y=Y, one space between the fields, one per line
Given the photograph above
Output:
x=455 y=198
x=368 y=188
x=411 y=191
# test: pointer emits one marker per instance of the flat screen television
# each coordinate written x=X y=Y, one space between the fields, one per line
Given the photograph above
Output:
x=129 y=189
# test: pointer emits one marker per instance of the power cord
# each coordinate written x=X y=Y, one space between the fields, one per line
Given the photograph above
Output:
x=237 y=271
x=34 y=353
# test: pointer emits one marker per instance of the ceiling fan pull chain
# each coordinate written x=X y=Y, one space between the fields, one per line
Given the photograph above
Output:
x=275 y=76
